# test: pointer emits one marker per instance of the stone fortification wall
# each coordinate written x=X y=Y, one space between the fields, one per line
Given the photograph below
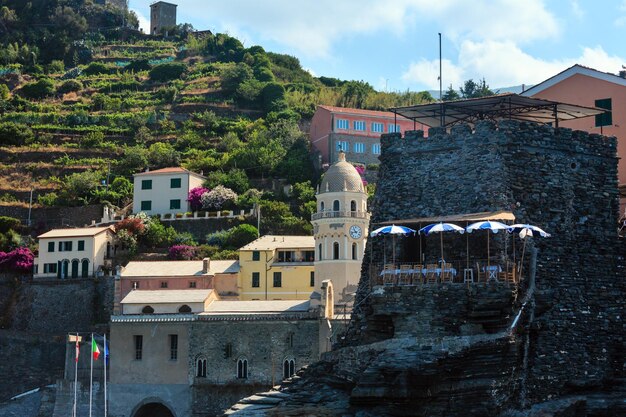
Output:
x=44 y=219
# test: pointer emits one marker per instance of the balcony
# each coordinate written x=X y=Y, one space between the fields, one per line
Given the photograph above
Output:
x=334 y=214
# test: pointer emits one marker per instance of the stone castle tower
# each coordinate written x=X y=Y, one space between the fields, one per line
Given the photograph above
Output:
x=340 y=229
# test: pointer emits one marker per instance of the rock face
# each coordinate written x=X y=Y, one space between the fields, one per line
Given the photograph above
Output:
x=552 y=345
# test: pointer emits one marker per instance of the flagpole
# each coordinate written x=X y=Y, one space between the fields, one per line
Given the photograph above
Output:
x=91 y=376
x=105 y=375
x=76 y=352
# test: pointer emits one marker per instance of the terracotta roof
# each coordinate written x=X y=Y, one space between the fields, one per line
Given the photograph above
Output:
x=77 y=232
x=166 y=296
x=271 y=242
x=178 y=268
x=348 y=110
x=170 y=170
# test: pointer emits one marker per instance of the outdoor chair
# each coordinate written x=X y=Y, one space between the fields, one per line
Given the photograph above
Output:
x=481 y=275
x=389 y=274
x=508 y=274
x=446 y=272
x=431 y=273
x=416 y=276
x=404 y=278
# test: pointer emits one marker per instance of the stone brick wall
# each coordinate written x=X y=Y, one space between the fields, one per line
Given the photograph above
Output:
x=44 y=219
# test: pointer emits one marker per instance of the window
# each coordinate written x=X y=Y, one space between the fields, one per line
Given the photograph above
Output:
x=163 y=284
x=173 y=347
x=289 y=340
x=278 y=279
x=352 y=205
x=256 y=255
x=359 y=147
x=376 y=149
x=358 y=125
x=192 y=284
x=201 y=367
x=312 y=279
x=336 y=250
x=319 y=252
x=228 y=350
x=65 y=246
x=174 y=204
x=138 y=346
x=342 y=145
x=322 y=206
x=336 y=206
x=147 y=310
x=242 y=368
x=342 y=124
x=49 y=268
x=81 y=245
x=606 y=118
x=309 y=255
x=289 y=368
x=135 y=285
x=146 y=184
x=146 y=205
x=392 y=128
x=286 y=256
x=256 y=279
x=175 y=183
x=50 y=246
x=378 y=127
x=184 y=309
x=354 y=251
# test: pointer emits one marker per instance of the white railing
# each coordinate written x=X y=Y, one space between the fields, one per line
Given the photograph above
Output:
x=333 y=214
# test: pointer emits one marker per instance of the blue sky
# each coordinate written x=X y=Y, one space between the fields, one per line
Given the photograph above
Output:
x=393 y=44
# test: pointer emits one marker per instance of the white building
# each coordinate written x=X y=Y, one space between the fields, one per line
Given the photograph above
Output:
x=164 y=191
x=73 y=253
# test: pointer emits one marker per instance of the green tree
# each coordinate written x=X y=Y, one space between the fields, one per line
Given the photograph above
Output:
x=355 y=94
x=450 y=94
x=162 y=155
x=167 y=72
x=241 y=235
x=472 y=89
x=133 y=161
x=15 y=134
x=39 y=89
x=96 y=68
x=235 y=179
x=79 y=187
x=235 y=75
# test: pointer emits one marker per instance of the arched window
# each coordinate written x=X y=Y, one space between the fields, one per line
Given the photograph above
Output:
x=321 y=206
x=64 y=269
x=184 y=309
x=354 y=251
x=147 y=310
x=289 y=368
x=319 y=252
x=352 y=205
x=336 y=205
x=242 y=368
x=201 y=367
x=336 y=250
x=85 y=268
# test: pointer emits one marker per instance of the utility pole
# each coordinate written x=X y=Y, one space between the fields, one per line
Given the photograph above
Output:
x=440 y=79
x=30 y=205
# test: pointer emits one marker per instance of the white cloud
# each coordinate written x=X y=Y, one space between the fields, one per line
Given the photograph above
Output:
x=621 y=20
x=577 y=10
x=144 y=23
x=426 y=73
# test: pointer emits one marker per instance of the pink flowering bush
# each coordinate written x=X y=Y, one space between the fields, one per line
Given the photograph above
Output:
x=361 y=170
x=194 y=197
x=18 y=260
x=182 y=252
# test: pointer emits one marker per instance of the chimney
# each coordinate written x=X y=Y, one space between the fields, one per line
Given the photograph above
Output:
x=206 y=265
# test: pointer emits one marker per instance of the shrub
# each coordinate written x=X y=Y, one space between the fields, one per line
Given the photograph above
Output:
x=241 y=235
x=167 y=72
x=69 y=86
x=56 y=66
x=181 y=252
x=133 y=226
x=49 y=199
x=162 y=155
x=184 y=238
x=273 y=97
x=218 y=198
x=235 y=179
x=127 y=240
x=138 y=65
x=157 y=235
x=39 y=89
x=96 y=68
x=92 y=140
x=14 y=134
x=8 y=223
x=18 y=260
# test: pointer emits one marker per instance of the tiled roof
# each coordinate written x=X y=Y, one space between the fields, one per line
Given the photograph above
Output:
x=178 y=268
x=271 y=242
x=170 y=170
x=348 y=110
x=257 y=306
x=166 y=296
x=77 y=232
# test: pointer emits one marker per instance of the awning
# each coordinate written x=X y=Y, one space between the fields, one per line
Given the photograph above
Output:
x=498 y=107
x=454 y=218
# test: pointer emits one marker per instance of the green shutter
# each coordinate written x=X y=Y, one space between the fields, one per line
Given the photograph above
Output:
x=175 y=183
x=606 y=118
x=174 y=204
x=146 y=184
x=146 y=205
x=50 y=246
x=81 y=245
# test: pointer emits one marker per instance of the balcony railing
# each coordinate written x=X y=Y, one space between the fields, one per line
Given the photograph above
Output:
x=333 y=214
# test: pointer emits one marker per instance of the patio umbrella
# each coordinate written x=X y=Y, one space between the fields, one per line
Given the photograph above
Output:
x=392 y=230
x=440 y=228
x=489 y=226
x=525 y=231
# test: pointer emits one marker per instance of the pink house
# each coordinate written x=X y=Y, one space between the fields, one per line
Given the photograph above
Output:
x=592 y=88
x=354 y=131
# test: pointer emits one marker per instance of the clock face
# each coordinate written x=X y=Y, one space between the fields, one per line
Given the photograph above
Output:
x=355 y=232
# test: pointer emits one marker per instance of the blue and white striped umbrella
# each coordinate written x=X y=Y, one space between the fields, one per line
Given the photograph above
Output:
x=487 y=225
x=392 y=230
x=440 y=228
x=528 y=230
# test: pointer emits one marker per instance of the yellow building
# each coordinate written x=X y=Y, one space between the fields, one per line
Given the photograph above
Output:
x=277 y=268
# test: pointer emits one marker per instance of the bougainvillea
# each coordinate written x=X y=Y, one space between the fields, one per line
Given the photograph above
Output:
x=133 y=226
x=182 y=252
x=218 y=198
x=194 y=197
x=361 y=170
x=18 y=260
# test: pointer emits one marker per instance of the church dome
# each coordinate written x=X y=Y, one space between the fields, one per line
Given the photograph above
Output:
x=341 y=176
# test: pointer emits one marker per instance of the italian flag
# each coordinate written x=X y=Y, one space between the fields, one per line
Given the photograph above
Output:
x=94 y=349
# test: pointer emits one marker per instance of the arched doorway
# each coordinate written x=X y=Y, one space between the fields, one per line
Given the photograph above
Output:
x=85 y=268
x=75 y=263
x=153 y=410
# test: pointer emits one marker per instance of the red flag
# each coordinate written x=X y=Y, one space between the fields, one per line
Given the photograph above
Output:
x=77 y=349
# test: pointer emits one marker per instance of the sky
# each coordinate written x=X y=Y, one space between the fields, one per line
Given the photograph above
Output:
x=394 y=44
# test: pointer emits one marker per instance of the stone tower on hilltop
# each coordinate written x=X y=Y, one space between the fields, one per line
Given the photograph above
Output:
x=340 y=229
x=162 y=15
